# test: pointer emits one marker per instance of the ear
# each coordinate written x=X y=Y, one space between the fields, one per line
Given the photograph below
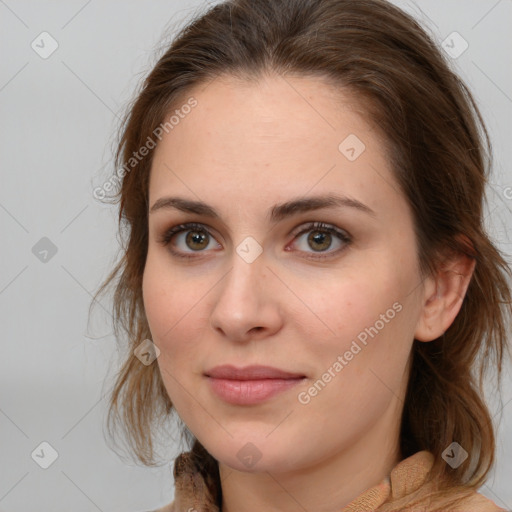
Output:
x=443 y=296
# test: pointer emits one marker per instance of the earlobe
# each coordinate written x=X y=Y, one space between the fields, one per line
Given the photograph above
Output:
x=443 y=297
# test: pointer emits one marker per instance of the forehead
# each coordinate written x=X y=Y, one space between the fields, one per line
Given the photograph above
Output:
x=272 y=135
x=274 y=109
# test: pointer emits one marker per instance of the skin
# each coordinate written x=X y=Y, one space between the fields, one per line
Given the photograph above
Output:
x=244 y=148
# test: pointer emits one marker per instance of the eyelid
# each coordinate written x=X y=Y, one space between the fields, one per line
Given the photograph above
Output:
x=321 y=226
x=166 y=236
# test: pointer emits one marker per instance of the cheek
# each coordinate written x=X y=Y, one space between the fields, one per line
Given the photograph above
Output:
x=367 y=316
x=169 y=307
x=172 y=309
x=161 y=304
x=157 y=298
x=348 y=304
x=359 y=362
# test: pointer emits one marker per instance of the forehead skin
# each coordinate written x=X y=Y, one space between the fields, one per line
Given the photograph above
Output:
x=281 y=135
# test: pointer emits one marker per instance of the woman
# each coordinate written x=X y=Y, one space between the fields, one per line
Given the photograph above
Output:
x=307 y=281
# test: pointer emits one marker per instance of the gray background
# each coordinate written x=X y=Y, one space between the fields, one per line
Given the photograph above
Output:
x=58 y=122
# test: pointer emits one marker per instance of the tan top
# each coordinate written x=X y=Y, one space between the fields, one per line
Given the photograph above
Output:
x=405 y=489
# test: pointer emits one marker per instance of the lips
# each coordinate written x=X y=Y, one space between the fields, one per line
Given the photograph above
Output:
x=254 y=372
x=250 y=385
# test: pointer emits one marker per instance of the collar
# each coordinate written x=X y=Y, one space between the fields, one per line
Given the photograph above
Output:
x=195 y=489
x=405 y=480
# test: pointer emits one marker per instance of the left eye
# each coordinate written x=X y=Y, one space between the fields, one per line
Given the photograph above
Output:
x=198 y=238
x=320 y=238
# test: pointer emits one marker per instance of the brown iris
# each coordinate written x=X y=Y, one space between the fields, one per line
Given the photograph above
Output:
x=319 y=237
x=197 y=237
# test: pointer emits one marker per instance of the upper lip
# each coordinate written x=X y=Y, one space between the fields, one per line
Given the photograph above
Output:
x=253 y=372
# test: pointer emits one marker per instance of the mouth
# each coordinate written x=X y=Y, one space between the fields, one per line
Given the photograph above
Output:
x=251 y=384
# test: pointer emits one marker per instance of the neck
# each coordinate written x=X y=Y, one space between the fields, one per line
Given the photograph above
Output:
x=328 y=486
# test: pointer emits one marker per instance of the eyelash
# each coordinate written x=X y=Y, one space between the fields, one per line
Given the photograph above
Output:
x=313 y=226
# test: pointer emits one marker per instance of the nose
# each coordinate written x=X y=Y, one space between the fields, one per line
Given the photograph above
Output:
x=247 y=304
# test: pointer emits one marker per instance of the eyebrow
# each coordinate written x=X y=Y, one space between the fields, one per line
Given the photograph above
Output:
x=275 y=213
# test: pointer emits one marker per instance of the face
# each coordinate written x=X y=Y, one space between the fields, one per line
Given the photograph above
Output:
x=328 y=292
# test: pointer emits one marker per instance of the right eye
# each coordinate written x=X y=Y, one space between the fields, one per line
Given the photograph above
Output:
x=192 y=235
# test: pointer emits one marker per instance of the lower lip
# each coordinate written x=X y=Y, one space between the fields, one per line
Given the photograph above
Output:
x=246 y=392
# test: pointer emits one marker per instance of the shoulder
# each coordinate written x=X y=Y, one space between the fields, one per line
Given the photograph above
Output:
x=463 y=500
x=480 y=503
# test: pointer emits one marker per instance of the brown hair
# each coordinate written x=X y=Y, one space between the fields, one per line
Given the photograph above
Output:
x=440 y=154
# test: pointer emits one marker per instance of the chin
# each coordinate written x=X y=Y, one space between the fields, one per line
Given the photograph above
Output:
x=257 y=455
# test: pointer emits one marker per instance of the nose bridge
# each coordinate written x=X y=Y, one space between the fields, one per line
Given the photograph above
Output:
x=242 y=283
x=244 y=300
x=248 y=264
